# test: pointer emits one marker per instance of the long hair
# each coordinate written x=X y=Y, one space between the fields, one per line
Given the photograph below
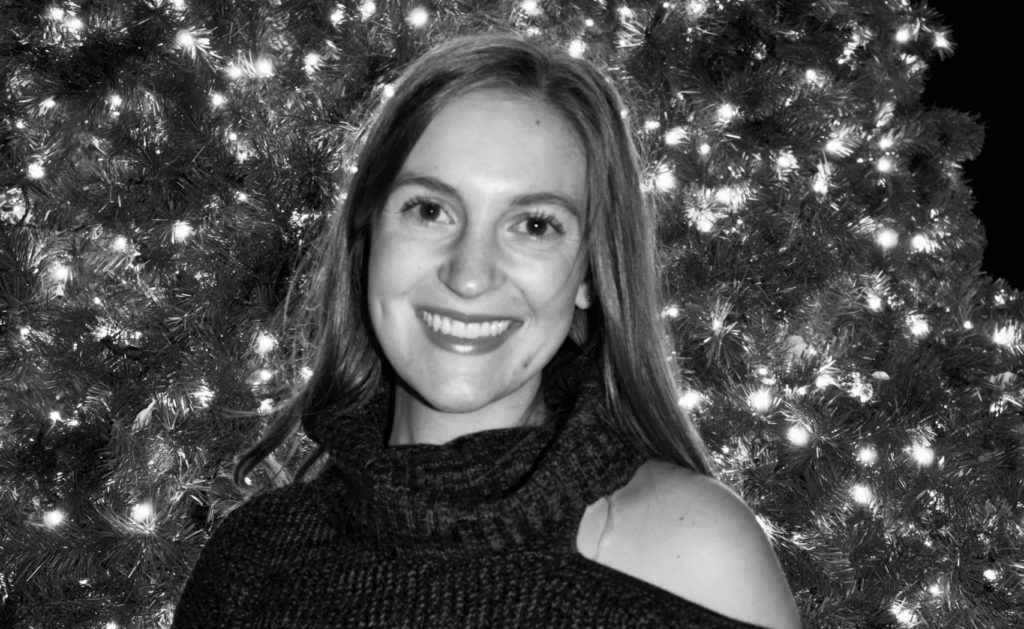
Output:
x=622 y=328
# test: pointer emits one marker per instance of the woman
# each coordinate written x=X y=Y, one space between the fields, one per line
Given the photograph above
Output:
x=489 y=384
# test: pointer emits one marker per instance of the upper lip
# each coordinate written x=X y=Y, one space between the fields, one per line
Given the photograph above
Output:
x=466 y=318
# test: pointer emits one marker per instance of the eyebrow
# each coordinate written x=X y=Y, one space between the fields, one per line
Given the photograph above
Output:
x=440 y=187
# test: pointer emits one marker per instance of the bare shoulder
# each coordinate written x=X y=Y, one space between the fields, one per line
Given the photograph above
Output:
x=691 y=535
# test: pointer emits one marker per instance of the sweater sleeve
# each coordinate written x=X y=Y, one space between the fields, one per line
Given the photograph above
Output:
x=226 y=579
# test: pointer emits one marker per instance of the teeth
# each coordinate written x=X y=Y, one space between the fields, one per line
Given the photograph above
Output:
x=463 y=330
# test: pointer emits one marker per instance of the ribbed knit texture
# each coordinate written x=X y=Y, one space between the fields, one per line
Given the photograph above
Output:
x=479 y=532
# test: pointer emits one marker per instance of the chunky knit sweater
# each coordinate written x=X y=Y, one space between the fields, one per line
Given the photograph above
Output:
x=478 y=532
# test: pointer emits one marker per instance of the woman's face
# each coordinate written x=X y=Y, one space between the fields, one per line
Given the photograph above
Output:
x=475 y=260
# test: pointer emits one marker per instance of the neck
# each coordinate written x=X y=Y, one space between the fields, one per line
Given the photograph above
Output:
x=416 y=422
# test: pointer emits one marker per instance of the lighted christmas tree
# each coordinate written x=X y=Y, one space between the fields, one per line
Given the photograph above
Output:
x=164 y=165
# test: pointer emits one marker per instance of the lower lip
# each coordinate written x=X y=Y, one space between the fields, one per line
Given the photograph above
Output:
x=457 y=345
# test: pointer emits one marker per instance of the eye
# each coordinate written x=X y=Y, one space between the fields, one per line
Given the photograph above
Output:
x=540 y=225
x=426 y=211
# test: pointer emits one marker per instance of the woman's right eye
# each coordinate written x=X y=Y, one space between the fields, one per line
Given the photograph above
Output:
x=426 y=211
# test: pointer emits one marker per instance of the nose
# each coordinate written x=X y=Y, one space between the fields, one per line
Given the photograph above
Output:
x=471 y=265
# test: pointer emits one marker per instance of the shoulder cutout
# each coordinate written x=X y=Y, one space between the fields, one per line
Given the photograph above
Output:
x=691 y=535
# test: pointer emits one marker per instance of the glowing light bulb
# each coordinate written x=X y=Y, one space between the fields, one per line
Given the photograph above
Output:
x=918 y=325
x=367 y=9
x=990 y=574
x=920 y=242
x=1006 y=336
x=181 y=231
x=338 y=15
x=812 y=75
x=203 y=395
x=264 y=375
x=266 y=406
x=577 y=48
x=935 y=589
x=760 y=400
x=589 y=23
x=942 y=42
x=674 y=136
x=217 y=99
x=670 y=311
x=968 y=325
x=885 y=143
x=696 y=8
x=652 y=125
x=861 y=494
x=55 y=416
x=923 y=454
x=306 y=373
x=626 y=12
x=665 y=180
x=111 y=625
x=56 y=14
x=53 y=518
x=142 y=511
x=234 y=71
x=867 y=455
x=185 y=39
x=903 y=615
x=264 y=67
x=418 y=17
x=388 y=91
x=885 y=164
x=115 y=100
x=704 y=148
x=820 y=183
x=689 y=399
x=786 y=161
x=530 y=7
x=798 y=435
x=25 y=331
x=74 y=23
x=824 y=381
x=61 y=272
x=887 y=238
x=835 y=146
x=311 y=62
x=265 y=342
x=903 y=35
x=874 y=302
x=726 y=112
x=35 y=170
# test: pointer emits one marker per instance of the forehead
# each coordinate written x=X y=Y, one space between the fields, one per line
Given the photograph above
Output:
x=502 y=142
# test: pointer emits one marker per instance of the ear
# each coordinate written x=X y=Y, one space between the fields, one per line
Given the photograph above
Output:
x=583 y=296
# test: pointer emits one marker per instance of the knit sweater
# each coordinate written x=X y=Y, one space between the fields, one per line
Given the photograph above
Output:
x=478 y=532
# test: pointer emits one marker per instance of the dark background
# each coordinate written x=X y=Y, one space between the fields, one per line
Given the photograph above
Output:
x=981 y=78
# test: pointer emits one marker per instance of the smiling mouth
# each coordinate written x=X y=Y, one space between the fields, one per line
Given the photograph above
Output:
x=462 y=329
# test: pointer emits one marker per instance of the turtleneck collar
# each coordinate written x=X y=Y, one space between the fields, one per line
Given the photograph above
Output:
x=525 y=486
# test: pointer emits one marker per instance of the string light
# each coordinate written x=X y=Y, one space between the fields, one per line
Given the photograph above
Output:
x=823 y=381
x=217 y=99
x=670 y=311
x=942 y=42
x=1007 y=336
x=761 y=400
x=920 y=242
x=264 y=375
x=115 y=100
x=704 y=148
x=935 y=590
x=923 y=454
x=264 y=67
x=265 y=342
x=55 y=13
x=867 y=455
x=203 y=396
x=665 y=180
x=185 y=39
x=674 y=136
x=338 y=15
x=918 y=325
x=726 y=112
x=367 y=9
x=885 y=164
x=652 y=125
x=861 y=494
x=786 y=161
x=690 y=399
x=387 y=92
x=181 y=231
x=55 y=416
x=577 y=48
x=266 y=406
x=874 y=302
x=53 y=518
x=903 y=35
x=968 y=325
x=234 y=71
x=61 y=272
x=25 y=331
x=530 y=7
x=903 y=615
x=305 y=373
x=798 y=435
x=142 y=512
x=311 y=62
x=887 y=238
x=418 y=17
x=35 y=170
x=835 y=146
x=991 y=574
